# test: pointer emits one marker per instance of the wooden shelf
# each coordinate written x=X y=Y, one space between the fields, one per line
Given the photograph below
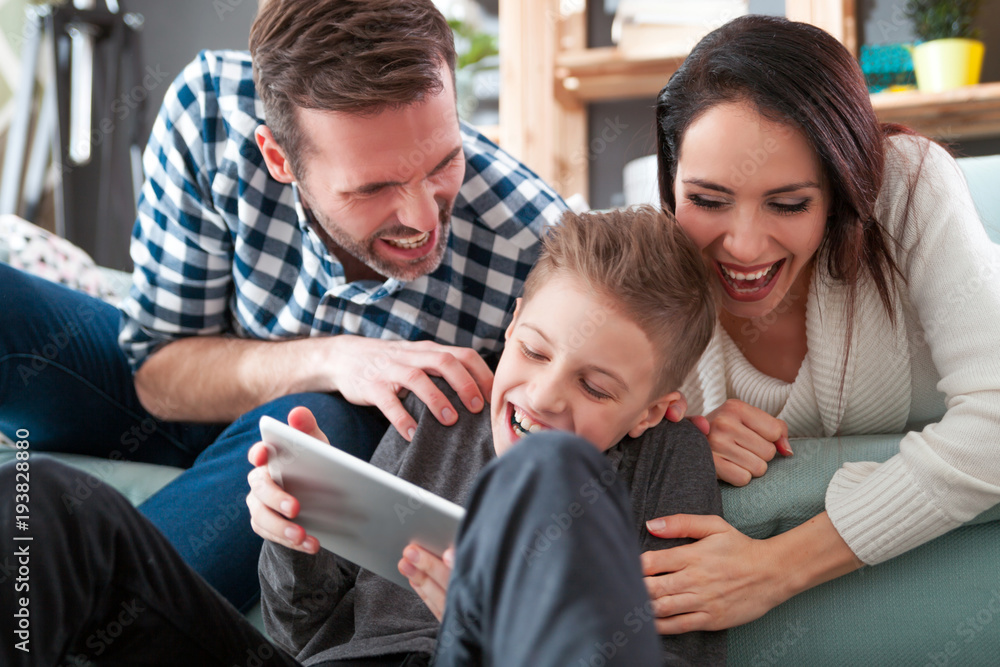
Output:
x=549 y=76
x=972 y=112
x=608 y=73
x=593 y=75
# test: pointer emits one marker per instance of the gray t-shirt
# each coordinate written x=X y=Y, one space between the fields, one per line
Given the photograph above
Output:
x=322 y=607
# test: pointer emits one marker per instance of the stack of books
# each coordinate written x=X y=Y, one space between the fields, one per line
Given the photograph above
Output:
x=669 y=28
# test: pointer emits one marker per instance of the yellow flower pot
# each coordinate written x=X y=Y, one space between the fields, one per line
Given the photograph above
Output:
x=943 y=64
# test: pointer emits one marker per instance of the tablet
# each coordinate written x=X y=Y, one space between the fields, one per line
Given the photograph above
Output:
x=357 y=511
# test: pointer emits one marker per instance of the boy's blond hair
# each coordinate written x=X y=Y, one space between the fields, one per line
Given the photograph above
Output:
x=642 y=260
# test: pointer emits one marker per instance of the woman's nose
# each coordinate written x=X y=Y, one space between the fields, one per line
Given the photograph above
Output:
x=746 y=239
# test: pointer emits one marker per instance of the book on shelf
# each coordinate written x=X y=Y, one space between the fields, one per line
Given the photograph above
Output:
x=665 y=28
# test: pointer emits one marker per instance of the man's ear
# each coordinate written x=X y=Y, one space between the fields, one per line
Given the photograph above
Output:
x=274 y=157
x=654 y=413
x=510 y=327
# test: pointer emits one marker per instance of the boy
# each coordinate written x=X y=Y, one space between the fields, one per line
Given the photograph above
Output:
x=546 y=569
x=615 y=313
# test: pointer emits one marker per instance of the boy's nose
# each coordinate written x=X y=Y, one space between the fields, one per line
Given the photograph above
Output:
x=546 y=397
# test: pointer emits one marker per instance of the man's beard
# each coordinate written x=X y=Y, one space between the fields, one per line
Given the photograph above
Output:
x=403 y=270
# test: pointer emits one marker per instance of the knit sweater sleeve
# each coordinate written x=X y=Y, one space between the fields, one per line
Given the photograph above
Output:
x=947 y=473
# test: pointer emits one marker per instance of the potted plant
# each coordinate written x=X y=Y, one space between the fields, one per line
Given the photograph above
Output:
x=948 y=55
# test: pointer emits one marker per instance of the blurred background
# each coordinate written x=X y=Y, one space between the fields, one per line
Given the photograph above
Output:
x=139 y=46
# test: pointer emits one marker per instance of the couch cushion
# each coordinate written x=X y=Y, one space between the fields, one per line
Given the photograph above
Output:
x=983 y=177
x=923 y=607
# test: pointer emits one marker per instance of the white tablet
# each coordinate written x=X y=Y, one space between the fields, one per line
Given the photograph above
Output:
x=354 y=509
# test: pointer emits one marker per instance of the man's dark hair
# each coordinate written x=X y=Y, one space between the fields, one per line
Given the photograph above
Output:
x=355 y=56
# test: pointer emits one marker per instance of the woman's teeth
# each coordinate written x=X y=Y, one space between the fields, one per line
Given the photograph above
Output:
x=411 y=242
x=736 y=275
x=522 y=423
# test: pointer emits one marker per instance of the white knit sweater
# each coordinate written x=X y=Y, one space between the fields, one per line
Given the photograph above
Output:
x=935 y=376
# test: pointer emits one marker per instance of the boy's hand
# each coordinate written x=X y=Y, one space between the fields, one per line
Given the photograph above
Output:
x=743 y=439
x=428 y=575
x=270 y=506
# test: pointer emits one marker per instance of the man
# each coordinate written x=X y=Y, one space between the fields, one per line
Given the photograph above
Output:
x=333 y=256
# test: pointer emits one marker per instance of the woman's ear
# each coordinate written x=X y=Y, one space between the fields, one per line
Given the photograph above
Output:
x=274 y=156
x=654 y=413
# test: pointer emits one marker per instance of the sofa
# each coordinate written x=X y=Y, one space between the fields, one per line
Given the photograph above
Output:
x=936 y=605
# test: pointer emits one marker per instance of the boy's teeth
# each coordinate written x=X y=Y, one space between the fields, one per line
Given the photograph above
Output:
x=523 y=423
x=410 y=242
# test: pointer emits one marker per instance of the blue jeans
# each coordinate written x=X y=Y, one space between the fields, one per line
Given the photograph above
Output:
x=64 y=378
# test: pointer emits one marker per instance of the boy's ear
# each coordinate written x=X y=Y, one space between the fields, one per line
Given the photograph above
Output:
x=510 y=327
x=274 y=157
x=654 y=413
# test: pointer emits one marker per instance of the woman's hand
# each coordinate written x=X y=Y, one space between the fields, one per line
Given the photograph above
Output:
x=743 y=439
x=428 y=575
x=722 y=580
x=677 y=409
x=725 y=578
x=270 y=506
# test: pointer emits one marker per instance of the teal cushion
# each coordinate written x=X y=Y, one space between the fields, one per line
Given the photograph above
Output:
x=983 y=176
x=794 y=488
x=136 y=481
x=940 y=601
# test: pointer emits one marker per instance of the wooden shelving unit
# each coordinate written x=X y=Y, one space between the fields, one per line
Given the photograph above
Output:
x=549 y=76
x=594 y=75
x=972 y=112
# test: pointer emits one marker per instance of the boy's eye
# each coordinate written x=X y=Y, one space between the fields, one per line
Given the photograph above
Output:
x=530 y=354
x=702 y=201
x=596 y=393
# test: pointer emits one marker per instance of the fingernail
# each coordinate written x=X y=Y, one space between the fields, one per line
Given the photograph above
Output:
x=449 y=557
x=785 y=445
x=412 y=555
x=477 y=404
x=656 y=524
x=286 y=507
x=291 y=533
x=447 y=414
x=410 y=432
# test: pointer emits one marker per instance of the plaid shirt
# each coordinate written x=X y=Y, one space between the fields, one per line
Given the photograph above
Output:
x=220 y=247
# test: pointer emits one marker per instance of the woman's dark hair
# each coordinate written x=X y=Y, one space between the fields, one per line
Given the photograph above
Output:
x=797 y=74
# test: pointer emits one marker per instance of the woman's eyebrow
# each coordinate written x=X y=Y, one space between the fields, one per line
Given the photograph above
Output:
x=708 y=185
x=791 y=187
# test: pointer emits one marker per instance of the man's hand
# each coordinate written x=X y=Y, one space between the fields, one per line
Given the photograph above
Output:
x=743 y=439
x=428 y=575
x=375 y=372
x=270 y=507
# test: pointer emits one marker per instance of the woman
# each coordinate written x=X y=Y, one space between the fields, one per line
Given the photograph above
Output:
x=818 y=221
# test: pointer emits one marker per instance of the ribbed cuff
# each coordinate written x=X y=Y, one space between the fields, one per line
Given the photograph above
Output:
x=881 y=512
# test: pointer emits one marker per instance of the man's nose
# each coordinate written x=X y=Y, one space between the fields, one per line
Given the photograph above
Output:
x=418 y=209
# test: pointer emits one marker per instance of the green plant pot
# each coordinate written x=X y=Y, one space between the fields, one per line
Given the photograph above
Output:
x=944 y=64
